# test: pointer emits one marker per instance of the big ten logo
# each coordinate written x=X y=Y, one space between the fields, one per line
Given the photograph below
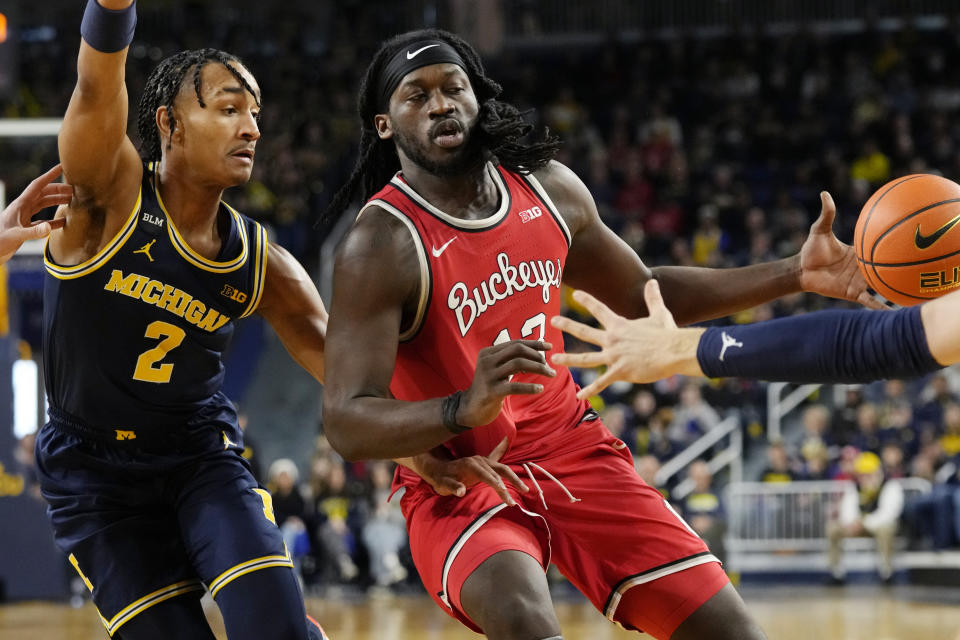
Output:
x=10 y=484
x=530 y=214
x=233 y=294
x=938 y=280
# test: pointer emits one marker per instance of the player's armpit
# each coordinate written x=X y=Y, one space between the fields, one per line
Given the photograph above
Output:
x=97 y=156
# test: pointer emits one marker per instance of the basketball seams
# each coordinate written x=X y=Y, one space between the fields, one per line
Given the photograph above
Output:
x=866 y=223
x=887 y=210
x=900 y=222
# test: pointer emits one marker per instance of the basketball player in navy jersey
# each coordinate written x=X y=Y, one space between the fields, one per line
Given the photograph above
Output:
x=15 y=225
x=141 y=461
x=448 y=278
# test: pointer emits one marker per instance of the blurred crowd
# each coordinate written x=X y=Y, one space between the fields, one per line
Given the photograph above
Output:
x=705 y=152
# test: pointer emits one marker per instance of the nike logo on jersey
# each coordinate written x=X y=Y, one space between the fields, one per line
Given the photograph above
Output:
x=728 y=341
x=145 y=249
x=925 y=242
x=411 y=56
x=437 y=252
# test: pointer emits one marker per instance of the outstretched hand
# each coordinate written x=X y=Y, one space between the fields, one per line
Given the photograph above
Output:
x=454 y=477
x=828 y=266
x=15 y=225
x=641 y=350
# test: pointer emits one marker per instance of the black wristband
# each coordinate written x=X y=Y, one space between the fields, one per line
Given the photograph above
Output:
x=108 y=30
x=450 y=405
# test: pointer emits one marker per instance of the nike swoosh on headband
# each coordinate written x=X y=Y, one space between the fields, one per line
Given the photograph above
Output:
x=411 y=56
x=925 y=242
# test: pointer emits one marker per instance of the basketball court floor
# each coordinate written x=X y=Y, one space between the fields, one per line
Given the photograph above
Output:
x=786 y=613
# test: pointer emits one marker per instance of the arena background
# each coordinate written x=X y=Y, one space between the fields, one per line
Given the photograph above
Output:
x=705 y=130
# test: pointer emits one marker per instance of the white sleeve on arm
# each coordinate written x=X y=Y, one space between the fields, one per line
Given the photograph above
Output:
x=889 y=508
x=849 y=506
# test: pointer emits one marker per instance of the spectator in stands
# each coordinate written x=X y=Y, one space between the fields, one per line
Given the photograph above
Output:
x=950 y=440
x=867 y=437
x=931 y=517
x=816 y=423
x=872 y=507
x=779 y=468
x=655 y=438
x=844 y=425
x=335 y=512
x=703 y=509
x=934 y=397
x=289 y=508
x=709 y=240
x=893 y=460
x=816 y=461
x=385 y=532
x=692 y=416
x=647 y=467
x=872 y=165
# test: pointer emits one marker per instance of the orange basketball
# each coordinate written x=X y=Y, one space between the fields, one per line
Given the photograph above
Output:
x=907 y=239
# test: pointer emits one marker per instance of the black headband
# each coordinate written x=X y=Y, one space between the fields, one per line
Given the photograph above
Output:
x=414 y=56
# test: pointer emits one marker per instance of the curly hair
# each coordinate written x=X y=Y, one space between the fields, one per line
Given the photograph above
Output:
x=162 y=88
x=500 y=125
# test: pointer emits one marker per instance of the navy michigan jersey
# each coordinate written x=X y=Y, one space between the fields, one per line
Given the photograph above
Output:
x=133 y=337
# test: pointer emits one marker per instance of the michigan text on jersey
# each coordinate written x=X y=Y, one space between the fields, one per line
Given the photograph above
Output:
x=166 y=297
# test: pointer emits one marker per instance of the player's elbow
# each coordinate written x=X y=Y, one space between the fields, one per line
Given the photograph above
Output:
x=336 y=427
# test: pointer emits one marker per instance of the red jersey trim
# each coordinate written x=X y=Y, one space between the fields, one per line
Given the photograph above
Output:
x=426 y=279
x=484 y=224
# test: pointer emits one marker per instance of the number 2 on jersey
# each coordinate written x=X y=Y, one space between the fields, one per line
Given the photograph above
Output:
x=148 y=367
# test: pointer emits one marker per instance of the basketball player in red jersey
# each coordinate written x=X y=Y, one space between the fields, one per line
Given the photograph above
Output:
x=439 y=323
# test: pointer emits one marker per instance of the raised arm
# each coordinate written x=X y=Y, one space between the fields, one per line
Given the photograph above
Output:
x=97 y=156
x=292 y=306
x=604 y=265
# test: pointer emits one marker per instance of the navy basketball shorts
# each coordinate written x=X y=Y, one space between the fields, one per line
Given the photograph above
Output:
x=144 y=520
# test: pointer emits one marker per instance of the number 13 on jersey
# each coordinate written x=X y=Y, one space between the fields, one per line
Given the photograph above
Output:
x=534 y=325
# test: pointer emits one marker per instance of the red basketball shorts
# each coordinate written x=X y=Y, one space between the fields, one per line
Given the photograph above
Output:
x=590 y=514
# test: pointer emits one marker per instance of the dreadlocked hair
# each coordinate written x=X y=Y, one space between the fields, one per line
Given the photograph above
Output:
x=500 y=126
x=164 y=84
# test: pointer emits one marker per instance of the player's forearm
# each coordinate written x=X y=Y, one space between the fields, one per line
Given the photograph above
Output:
x=825 y=347
x=95 y=124
x=382 y=428
x=103 y=49
x=694 y=294
x=940 y=324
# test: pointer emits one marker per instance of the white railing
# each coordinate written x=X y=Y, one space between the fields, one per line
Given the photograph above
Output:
x=779 y=525
x=731 y=456
x=778 y=407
